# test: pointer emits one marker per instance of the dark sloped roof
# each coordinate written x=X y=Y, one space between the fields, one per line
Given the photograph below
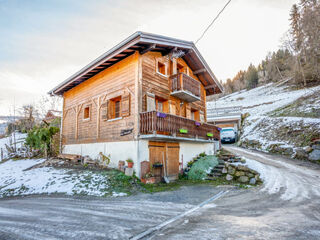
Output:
x=140 y=41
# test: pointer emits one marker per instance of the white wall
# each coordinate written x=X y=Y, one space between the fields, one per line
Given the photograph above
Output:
x=117 y=150
x=138 y=151
x=189 y=150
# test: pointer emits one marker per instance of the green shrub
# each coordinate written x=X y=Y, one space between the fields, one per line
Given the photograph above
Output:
x=40 y=138
x=199 y=169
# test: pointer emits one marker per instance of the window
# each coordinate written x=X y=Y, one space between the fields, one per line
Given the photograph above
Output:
x=86 y=112
x=115 y=108
x=180 y=68
x=195 y=115
x=162 y=105
x=162 y=68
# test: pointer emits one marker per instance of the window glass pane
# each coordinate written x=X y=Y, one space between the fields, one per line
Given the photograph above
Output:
x=160 y=106
x=161 y=68
x=117 y=109
x=86 y=113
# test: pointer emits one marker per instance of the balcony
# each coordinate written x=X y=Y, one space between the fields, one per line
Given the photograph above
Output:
x=185 y=87
x=166 y=126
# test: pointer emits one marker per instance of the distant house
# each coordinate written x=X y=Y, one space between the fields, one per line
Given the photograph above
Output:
x=51 y=116
x=144 y=99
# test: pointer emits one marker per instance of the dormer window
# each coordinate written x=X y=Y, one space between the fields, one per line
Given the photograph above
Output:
x=162 y=68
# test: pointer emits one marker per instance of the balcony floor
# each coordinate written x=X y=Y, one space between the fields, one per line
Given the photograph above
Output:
x=185 y=95
x=172 y=138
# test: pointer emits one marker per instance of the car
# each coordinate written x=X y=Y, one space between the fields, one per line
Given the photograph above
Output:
x=228 y=135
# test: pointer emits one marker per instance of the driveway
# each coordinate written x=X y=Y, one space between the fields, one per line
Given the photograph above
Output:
x=286 y=206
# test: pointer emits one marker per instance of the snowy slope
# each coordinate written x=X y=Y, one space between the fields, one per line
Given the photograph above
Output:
x=260 y=129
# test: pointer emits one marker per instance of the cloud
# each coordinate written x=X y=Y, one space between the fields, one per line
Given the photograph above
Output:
x=46 y=42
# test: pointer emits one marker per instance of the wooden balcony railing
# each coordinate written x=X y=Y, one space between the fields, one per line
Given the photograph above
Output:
x=183 y=82
x=156 y=122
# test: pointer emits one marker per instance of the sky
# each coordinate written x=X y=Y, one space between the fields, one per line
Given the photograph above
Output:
x=44 y=42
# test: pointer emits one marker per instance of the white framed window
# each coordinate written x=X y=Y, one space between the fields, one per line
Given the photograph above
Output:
x=162 y=68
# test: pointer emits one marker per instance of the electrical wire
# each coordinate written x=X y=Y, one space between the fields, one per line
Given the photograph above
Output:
x=213 y=21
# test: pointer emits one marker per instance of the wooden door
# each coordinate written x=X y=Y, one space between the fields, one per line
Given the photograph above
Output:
x=168 y=155
x=172 y=150
x=157 y=154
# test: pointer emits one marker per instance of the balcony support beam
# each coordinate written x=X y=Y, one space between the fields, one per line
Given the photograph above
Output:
x=202 y=70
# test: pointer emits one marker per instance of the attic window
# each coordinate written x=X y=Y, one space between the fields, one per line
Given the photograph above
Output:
x=86 y=113
x=161 y=68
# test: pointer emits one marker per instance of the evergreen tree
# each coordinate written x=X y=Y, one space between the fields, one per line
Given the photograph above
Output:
x=251 y=77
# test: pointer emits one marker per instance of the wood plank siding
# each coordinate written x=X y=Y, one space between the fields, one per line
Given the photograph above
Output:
x=116 y=81
x=157 y=84
x=91 y=106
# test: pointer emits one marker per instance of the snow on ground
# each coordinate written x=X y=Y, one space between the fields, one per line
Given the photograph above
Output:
x=14 y=180
x=285 y=179
x=10 y=139
x=259 y=102
x=263 y=99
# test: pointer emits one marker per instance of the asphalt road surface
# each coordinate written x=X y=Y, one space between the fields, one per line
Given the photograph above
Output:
x=286 y=206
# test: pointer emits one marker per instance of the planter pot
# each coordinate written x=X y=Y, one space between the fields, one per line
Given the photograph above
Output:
x=150 y=180
x=143 y=180
x=130 y=164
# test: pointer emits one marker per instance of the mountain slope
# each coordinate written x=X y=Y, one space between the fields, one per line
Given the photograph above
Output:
x=277 y=119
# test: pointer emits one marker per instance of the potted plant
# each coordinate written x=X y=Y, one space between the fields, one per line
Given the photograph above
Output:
x=148 y=178
x=130 y=163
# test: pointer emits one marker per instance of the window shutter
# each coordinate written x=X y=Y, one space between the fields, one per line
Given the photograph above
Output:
x=110 y=113
x=201 y=116
x=188 y=111
x=125 y=105
x=151 y=102
x=104 y=111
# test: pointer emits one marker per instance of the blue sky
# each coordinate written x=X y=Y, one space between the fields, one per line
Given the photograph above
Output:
x=44 y=42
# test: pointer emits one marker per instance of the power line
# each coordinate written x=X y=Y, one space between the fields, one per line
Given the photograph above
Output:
x=213 y=21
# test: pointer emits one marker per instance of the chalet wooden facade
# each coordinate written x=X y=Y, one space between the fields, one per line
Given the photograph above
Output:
x=145 y=99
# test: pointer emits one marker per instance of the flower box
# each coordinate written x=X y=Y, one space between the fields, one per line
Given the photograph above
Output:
x=161 y=115
x=157 y=165
x=182 y=130
x=210 y=134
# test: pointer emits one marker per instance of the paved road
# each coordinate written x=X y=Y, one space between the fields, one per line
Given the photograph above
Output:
x=287 y=206
x=38 y=217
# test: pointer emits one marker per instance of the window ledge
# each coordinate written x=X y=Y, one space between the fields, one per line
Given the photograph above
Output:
x=114 y=119
x=162 y=75
x=86 y=119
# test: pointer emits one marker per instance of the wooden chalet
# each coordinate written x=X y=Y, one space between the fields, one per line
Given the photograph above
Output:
x=144 y=99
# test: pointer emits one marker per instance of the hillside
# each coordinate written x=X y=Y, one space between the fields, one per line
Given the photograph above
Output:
x=277 y=119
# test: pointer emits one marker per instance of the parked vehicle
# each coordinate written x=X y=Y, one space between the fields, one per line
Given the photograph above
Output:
x=228 y=135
